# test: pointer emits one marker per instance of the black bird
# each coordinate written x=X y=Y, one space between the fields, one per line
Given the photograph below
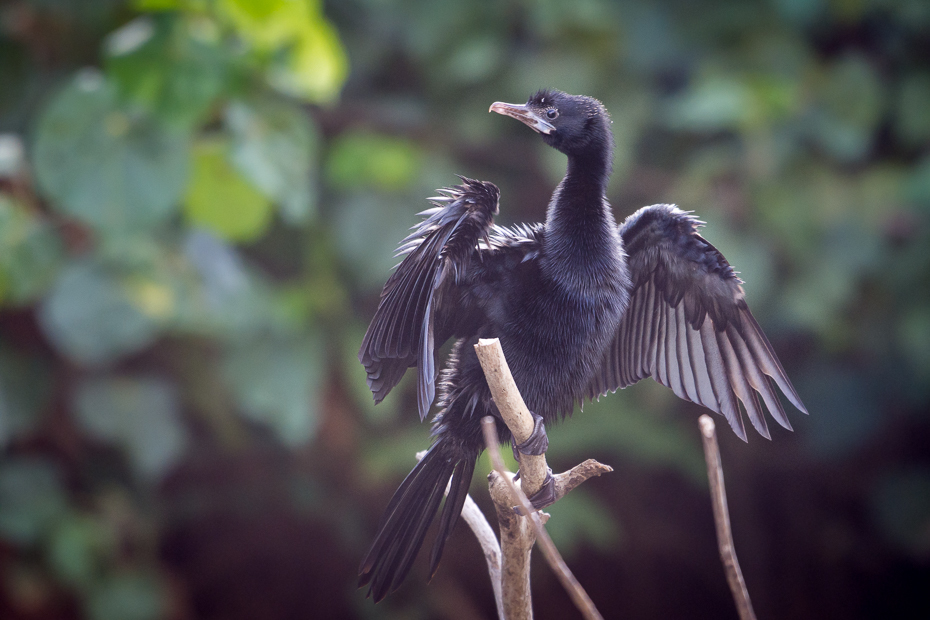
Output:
x=581 y=307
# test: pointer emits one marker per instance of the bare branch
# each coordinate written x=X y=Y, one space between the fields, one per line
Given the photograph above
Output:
x=488 y=541
x=568 y=480
x=517 y=417
x=722 y=520
x=517 y=540
x=533 y=470
x=578 y=595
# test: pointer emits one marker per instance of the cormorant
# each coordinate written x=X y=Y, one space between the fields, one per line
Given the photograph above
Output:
x=581 y=307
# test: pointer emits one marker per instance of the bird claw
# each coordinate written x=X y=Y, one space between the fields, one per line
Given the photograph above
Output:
x=537 y=443
x=542 y=498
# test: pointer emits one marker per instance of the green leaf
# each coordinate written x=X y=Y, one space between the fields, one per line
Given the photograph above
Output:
x=317 y=65
x=30 y=254
x=307 y=58
x=361 y=158
x=141 y=414
x=817 y=297
x=90 y=317
x=368 y=227
x=128 y=596
x=275 y=147
x=174 y=67
x=714 y=104
x=721 y=102
x=31 y=498
x=12 y=155
x=157 y=5
x=76 y=548
x=475 y=60
x=225 y=300
x=112 y=168
x=221 y=200
x=278 y=382
x=223 y=279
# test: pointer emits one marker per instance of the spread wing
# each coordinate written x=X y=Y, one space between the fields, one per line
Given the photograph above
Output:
x=688 y=325
x=419 y=294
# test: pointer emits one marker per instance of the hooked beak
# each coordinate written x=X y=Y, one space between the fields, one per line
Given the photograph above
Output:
x=524 y=115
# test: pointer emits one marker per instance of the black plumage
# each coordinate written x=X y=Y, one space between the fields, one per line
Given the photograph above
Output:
x=580 y=305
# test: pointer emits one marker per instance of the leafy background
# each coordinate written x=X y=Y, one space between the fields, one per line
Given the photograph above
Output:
x=199 y=200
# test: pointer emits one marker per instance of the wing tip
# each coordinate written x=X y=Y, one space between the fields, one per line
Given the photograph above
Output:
x=739 y=428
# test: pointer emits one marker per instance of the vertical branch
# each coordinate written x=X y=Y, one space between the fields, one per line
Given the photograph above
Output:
x=535 y=529
x=517 y=531
x=513 y=410
x=517 y=540
x=722 y=520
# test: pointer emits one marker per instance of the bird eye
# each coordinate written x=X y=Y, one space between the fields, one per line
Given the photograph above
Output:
x=552 y=114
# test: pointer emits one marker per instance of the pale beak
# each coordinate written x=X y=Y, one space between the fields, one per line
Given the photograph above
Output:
x=524 y=115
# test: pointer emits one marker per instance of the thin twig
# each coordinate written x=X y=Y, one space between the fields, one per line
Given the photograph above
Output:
x=722 y=520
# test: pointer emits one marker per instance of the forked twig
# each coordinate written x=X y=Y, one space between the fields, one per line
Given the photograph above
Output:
x=722 y=520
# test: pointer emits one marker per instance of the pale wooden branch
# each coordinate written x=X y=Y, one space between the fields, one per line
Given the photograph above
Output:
x=577 y=593
x=492 y=551
x=517 y=539
x=517 y=417
x=518 y=534
x=568 y=480
x=722 y=520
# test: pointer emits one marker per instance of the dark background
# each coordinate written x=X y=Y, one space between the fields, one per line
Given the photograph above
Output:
x=199 y=202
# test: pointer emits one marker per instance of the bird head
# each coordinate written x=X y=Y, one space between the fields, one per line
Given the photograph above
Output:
x=572 y=124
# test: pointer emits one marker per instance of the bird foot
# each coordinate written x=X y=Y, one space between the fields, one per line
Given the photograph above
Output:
x=544 y=497
x=537 y=443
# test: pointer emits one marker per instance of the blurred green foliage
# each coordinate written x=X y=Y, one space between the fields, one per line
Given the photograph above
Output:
x=199 y=202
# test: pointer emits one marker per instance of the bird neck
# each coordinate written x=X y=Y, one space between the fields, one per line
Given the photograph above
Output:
x=586 y=178
x=580 y=225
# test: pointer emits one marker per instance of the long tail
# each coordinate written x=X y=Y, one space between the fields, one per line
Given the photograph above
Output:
x=409 y=515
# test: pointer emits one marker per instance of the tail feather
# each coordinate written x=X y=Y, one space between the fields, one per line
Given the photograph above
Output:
x=458 y=491
x=416 y=500
x=408 y=545
x=409 y=515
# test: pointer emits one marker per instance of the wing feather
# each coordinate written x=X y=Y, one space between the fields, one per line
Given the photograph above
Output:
x=688 y=326
x=671 y=353
x=418 y=295
x=684 y=356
